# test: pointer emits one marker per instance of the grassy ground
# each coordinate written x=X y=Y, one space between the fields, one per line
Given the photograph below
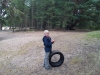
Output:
x=94 y=34
x=23 y=53
x=88 y=61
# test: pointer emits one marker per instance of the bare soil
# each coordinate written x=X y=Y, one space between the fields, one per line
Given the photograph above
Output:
x=22 y=53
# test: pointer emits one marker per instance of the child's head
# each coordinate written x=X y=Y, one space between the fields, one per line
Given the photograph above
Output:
x=46 y=32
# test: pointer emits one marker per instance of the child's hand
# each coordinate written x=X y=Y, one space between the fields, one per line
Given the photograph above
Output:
x=53 y=41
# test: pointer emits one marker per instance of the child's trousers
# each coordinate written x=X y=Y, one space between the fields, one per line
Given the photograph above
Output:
x=46 y=60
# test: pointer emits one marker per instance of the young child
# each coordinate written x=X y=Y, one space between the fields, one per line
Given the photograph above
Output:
x=48 y=48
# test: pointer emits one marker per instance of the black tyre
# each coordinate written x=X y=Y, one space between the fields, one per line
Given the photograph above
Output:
x=57 y=63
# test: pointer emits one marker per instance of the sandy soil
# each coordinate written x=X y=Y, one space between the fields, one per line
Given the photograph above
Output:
x=22 y=53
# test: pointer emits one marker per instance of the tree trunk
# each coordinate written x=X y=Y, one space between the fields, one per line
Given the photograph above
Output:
x=72 y=25
x=44 y=25
x=13 y=27
x=32 y=23
x=61 y=24
x=0 y=26
x=37 y=23
x=26 y=23
x=41 y=24
x=48 y=24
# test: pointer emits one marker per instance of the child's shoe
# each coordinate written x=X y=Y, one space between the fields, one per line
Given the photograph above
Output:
x=48 y=68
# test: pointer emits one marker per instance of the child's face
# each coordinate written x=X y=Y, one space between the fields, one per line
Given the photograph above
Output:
x=46 y=34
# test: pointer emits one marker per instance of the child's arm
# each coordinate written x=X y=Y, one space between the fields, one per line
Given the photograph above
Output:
x=48 y=43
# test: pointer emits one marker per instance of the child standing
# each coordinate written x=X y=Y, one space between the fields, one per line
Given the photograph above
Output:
x=48 y=48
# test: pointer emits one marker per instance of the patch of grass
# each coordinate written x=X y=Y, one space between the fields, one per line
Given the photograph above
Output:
x=4 y=53
x=85 y=64
x=25 y=48
x=94 y=34
x=76 y=60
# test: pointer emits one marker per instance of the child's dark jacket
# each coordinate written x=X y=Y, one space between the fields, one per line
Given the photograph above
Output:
x=47 y=44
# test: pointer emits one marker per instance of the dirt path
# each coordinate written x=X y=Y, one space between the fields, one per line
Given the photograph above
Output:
x=22 y=53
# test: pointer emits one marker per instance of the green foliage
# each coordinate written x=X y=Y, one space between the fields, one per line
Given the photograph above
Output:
x=54 y=13
x=89 y=15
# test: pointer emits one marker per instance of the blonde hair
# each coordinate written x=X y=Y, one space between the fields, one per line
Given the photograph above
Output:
x=46 y=31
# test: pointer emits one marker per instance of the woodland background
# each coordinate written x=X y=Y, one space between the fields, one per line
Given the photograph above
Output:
x=50 y=14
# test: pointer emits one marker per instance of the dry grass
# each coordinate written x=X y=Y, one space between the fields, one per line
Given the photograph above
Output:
x=22 y=54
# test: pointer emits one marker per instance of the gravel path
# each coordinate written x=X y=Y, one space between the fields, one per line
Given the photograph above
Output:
x=22 y=53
